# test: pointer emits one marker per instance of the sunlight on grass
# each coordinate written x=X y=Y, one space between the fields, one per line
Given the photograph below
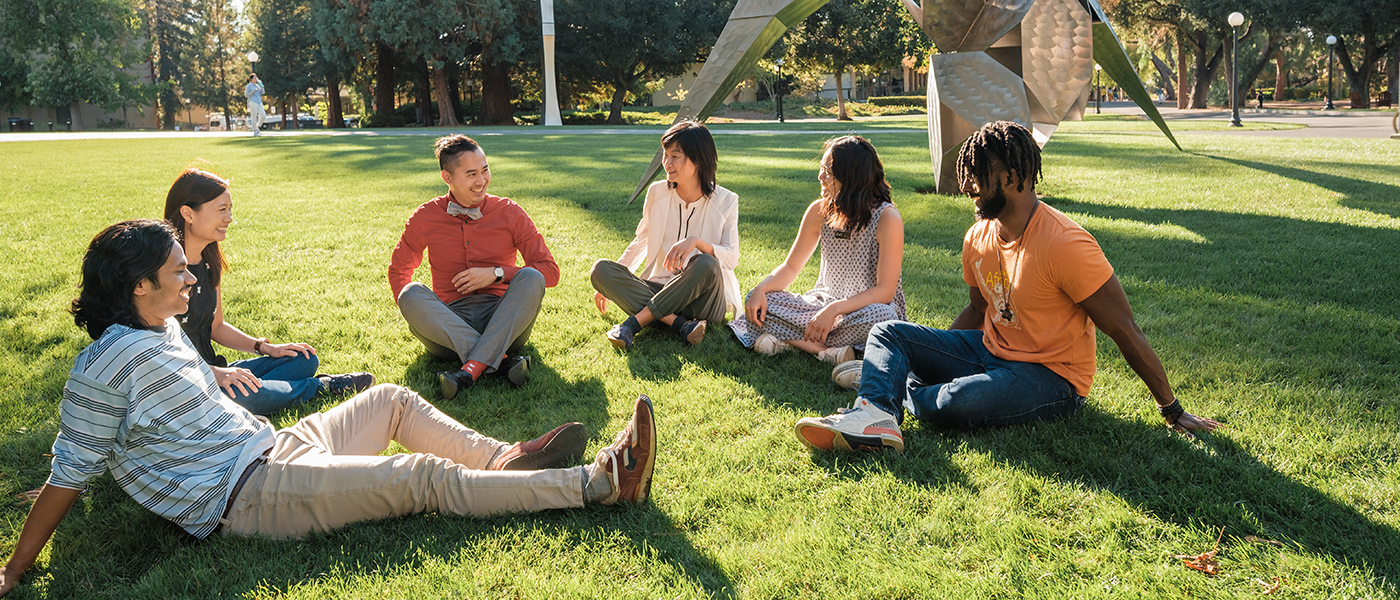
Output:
x=1262 y=270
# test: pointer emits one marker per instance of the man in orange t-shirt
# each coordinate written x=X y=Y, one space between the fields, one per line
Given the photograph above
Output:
x=1023 y=348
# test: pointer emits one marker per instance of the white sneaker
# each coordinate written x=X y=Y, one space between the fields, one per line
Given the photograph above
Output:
x=769 y=345
x=836 y=356
x=863 y=427
x=847 y=374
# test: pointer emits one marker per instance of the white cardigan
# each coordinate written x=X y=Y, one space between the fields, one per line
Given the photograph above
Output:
x=718 y=224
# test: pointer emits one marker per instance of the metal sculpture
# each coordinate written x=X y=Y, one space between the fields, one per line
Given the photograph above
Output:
x=1028 y=61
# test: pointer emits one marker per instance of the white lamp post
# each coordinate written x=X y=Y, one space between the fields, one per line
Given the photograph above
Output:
x=1331 y=50
x=1236 y=19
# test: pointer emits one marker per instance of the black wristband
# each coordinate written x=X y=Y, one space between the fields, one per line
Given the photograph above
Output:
x=1171 y=412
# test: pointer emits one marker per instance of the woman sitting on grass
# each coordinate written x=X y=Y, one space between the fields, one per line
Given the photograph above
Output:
x=862 y=242
x=201 y=209
x=689 y=236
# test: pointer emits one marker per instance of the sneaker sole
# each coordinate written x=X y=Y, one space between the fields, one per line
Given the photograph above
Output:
x=519 y=372
x=620 y=344
x=645 y=490
x=843 y=370
x=564 y=450
x=696 y=335
x=814 y=435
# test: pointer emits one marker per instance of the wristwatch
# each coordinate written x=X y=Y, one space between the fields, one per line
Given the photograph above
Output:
x=499 y=274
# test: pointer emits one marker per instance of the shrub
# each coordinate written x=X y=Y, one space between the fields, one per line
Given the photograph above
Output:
x=908 y=100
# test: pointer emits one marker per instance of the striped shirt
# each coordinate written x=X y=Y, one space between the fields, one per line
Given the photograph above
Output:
x=143 y=404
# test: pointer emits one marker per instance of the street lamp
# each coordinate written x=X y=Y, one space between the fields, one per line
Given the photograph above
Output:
x=1331 y=49
x=1098 y=91
x=1236 y=19
x=778 y=89
x=253 y=58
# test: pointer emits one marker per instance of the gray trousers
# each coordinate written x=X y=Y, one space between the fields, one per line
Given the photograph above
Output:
x=479 y=327
x=696 y=292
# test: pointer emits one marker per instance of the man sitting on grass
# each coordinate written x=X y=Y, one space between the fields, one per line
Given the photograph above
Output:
x=481 y=307
x=141 y=403
x=1023 y=348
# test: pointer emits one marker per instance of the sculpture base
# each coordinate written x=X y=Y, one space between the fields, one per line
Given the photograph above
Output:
x=1395 y=136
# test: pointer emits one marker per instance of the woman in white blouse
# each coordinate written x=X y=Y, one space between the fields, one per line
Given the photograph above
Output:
x=689 y=238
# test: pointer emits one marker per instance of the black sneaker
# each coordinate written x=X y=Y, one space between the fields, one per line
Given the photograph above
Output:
x=453 y=381
x=516 y=369
x=349 y=383
x=621 y=336
x=693 y=331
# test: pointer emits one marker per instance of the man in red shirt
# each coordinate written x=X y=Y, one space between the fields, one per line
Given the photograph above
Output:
x=482 y=306
x=1023 y=348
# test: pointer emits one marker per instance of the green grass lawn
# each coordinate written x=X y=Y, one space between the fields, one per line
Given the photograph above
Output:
x=1263 y=270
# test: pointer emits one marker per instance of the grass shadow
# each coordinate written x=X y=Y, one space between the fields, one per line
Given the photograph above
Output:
x=1369 y=195
x=1212 y=482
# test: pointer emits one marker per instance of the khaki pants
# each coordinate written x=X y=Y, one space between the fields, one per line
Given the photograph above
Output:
x=697 y=292
x=325 y=471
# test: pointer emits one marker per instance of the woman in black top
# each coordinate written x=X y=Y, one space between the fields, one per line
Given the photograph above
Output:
x=201 y=209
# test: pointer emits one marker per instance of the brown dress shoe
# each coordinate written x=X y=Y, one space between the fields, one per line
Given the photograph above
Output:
x=630 y=458
x=559 y=448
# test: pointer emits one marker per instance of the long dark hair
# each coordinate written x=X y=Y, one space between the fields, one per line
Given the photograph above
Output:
x=194 y=188
x=856 y=165
x=696 y=144
x=116 y=261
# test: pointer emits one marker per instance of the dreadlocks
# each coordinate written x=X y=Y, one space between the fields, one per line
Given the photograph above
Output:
x=1000 y=143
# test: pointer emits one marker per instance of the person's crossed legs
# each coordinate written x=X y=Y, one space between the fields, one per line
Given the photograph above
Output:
x=480 y=328
x=946 y=378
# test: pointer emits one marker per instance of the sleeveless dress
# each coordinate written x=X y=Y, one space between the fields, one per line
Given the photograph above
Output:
x=849 y=266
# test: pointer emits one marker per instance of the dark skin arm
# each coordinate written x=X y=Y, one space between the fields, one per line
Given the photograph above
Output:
x=49 y=509
x=971 y=315
x=1109 y=309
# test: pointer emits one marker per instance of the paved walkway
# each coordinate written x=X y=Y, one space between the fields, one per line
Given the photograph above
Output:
x=1330 y=124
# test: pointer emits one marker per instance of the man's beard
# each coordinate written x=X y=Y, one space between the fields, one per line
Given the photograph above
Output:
x=992 y=206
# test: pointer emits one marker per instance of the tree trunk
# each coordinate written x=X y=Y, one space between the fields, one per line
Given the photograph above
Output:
x=1393 y=74
x=384 y=79
x=615 y=111
x=335 y=115
x=1206 y=69
x=841 y=97
x=75 y=117
x=283 y=106
x=447 y=115
x=1280 y=75
x=1254 y=68
x=422 y=95
x=1165 y=72
x=495 y=94
x=1181 y=100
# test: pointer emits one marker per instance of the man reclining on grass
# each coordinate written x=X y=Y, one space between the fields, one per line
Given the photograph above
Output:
x=141 y=403
x=1023 y=348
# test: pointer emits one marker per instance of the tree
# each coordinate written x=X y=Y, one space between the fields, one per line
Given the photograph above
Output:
x=211 y=65
x=167 y=25
x=436 y=33
x=633 y=41
x=291 y=59
x=869 y=35
x=1365 y=32
x=77 y=51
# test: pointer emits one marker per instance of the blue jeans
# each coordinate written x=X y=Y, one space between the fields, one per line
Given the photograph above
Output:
x=948 y=378
x=286 y=381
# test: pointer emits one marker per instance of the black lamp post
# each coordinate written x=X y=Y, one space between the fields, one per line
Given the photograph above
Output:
x=1098 y=90
x=778 y=89
x=1235 y=20
x=1331 y=50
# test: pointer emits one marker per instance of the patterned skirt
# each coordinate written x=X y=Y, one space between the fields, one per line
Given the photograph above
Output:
x=789 y=314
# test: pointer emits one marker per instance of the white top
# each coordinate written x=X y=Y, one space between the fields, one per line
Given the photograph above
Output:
x=666 y=219
x=145 y=406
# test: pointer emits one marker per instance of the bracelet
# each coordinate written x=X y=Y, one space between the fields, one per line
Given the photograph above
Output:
x=257 y=345
x=1171 y=412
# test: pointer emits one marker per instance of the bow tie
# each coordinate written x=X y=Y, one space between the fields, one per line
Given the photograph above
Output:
x=458 y=210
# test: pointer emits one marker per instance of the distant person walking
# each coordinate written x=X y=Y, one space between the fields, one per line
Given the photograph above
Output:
x=256 y=115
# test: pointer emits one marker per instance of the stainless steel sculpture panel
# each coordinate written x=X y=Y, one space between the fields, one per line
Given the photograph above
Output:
x=1029 y=61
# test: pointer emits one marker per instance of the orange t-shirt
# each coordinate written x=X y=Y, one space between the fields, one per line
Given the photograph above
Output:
x=1033 y=287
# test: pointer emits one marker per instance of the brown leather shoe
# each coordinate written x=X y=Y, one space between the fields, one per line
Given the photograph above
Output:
x=630 y=458
x=559 y=448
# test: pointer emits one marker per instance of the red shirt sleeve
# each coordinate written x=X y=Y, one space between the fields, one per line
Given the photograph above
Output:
x=408 y=254
x=533 y=250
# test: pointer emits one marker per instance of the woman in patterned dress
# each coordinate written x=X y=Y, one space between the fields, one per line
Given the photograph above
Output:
x=862 y=245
